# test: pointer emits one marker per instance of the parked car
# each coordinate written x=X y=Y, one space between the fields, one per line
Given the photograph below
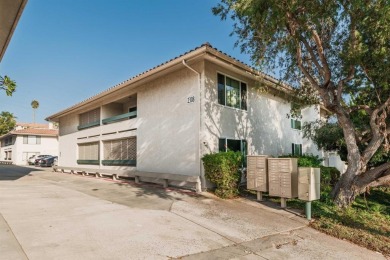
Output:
x=39 y=158
x=48 y=161
x=31 y=160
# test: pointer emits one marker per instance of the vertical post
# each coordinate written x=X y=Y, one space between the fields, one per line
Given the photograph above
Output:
x=283 y=203
x=308 y=210
x=259 y=196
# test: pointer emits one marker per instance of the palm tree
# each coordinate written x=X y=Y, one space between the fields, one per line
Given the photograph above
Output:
x=34 y=105
x=8 y=85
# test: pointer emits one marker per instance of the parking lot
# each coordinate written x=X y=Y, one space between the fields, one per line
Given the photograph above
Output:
x=47 y=215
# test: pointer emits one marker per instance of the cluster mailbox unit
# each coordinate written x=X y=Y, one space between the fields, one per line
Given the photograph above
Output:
x=257 y=177
x=283 y=178
x=309 y=183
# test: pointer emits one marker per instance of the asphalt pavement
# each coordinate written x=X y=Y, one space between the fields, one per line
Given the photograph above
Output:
x=47 y=215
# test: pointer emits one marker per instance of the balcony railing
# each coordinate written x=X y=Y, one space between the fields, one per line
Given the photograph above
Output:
x=119 y=162
x=92 y=162
x=81 y=127
x=117 y=118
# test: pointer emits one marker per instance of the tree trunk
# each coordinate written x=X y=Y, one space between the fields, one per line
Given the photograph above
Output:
x=352 y=184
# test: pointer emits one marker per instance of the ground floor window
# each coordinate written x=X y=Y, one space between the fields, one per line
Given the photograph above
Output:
x=235 y=146
x=120 y=151
x=296 y=149
x=8 y=155
x=88 y=153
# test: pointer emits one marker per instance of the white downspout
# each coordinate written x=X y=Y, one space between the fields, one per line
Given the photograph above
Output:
x=199 y=189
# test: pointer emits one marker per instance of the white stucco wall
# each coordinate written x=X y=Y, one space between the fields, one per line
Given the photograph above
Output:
x=49 y=145
x=168 y=137
x=264 y=125
x=166 y=127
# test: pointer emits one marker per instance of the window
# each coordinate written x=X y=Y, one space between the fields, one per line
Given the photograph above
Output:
x=8 y=155
x=6 y=141
x=235 y=146
x=89 y=119
x=231 y=92
x=88 y=153
x=296 y=149
x=133 y=109
x=31 y=139
x=120 y=152
x=296 y=124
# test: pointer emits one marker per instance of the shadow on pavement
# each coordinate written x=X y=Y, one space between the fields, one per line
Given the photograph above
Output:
x=13 y=172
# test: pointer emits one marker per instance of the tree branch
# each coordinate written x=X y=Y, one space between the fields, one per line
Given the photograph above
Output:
x=303 y=69
x=360 y=107
x=313 y=56
x=320 y=51
x=377 y=136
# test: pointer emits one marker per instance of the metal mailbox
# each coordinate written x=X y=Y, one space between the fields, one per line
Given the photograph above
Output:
x=283 y=177
x=309 y=183
x=256 y=172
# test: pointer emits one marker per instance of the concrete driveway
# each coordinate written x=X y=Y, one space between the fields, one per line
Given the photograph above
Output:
x=47 y=215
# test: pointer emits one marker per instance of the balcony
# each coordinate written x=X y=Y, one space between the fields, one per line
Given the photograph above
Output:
x=81 y=127
x=118 y=118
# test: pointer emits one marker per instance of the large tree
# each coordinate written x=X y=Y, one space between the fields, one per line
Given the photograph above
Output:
x=7 y=122
x=8 y=85
x=336 y=51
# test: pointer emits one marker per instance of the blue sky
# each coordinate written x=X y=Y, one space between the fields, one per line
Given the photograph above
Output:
x=65 y=51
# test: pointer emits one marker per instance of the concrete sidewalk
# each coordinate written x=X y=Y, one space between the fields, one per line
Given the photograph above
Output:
x=46 y=215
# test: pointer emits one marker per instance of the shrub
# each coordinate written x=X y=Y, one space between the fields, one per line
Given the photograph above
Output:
x=223 y=170
x=305 y=160
x=329 y=176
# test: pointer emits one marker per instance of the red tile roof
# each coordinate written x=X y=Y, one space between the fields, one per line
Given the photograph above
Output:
x=36 y=131
x=33 y=125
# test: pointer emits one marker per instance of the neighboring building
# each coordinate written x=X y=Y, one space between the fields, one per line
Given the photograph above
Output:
x=10 y=12
x=27 y=140
x=165 y=119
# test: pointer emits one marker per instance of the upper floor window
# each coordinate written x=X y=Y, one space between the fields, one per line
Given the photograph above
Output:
x=231 y=92
x=7 y=141
x=134 y=110
x=89 y=119
x=31 y=139
x=296 y=124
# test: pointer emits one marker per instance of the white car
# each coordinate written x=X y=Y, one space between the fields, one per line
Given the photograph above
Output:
x=31 y=160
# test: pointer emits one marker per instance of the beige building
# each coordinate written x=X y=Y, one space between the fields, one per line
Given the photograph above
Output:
x=165 y=119
x=27 y=140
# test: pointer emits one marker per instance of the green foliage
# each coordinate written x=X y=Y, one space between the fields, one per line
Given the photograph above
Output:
x=329 y=136
x=305 y=160
x=336 y=53
x=8 y=85
x=329 y=178
x=7 y=122
x=34 y=104
x=223 y=170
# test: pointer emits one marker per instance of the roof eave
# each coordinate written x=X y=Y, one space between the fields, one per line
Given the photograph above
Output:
x=10 y=29
x=188 y=56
